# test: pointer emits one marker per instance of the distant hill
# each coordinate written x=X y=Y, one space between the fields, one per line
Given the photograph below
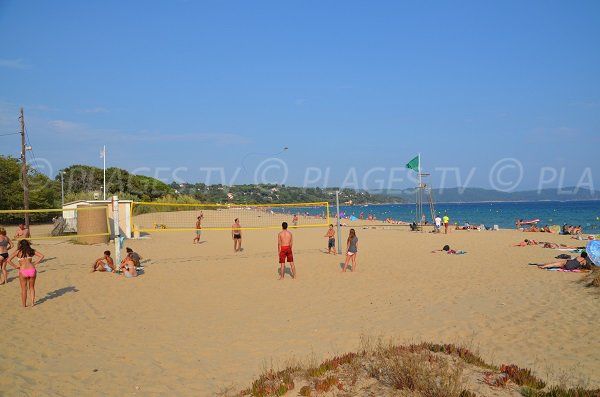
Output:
x=462 y=195
x=276 y=194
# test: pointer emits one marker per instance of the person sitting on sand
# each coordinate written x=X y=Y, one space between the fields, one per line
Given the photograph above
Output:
x=104 y=263
x=546 y=229
x=134 y=256
x=526 y=242
x=128 y=267
x=27 y=272
x=580 y=262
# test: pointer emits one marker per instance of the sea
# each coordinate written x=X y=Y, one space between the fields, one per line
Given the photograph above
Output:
x=503 y=214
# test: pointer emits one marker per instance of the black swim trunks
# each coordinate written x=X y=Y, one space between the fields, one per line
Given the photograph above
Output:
x=237 y=236
x=331 y=243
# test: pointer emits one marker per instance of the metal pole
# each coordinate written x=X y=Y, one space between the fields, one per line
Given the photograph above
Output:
x=62 y=189
x=116 y=234
x=339 y=232
x=420 y=195
x=104 y=178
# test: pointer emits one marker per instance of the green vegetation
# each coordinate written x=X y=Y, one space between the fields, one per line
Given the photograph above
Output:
x=83 y=179
x=276 y=194
x=43 y=192
x=424 y=369
x=83 y=182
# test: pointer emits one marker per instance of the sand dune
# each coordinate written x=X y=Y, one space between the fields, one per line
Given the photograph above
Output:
x=202 y=317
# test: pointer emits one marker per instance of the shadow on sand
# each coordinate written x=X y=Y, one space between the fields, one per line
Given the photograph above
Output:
x=287 y=271
x=56 y=293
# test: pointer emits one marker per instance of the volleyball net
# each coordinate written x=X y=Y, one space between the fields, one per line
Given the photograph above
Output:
x=88 y=225
x=162 y=217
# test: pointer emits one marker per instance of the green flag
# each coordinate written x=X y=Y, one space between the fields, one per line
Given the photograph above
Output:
x=413 y=164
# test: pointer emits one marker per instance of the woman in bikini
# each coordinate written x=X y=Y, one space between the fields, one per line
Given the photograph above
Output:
x=26 y=257
x=5 y=245
x=351 y=251
x=128 y=267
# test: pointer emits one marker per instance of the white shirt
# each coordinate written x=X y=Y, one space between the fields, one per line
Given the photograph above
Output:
x=438 y=221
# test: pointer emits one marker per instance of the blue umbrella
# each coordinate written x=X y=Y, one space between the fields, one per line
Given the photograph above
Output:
x=593 y=251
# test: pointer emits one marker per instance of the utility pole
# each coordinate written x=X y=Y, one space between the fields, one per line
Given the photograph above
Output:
x=24 y=171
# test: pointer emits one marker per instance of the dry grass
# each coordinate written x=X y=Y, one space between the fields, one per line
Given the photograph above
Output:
x=425 y=369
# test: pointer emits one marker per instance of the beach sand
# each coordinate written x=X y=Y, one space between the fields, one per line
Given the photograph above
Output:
x=202 y=318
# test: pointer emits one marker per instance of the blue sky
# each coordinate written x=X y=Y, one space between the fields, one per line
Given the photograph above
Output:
x=182 y=89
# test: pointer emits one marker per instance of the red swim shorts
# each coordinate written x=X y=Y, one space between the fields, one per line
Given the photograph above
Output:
x=286 y=252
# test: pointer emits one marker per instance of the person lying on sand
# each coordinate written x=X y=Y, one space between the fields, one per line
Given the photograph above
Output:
x=104 y=263
x=446 y=249
x=580 y=262
x=526 y=242
x=558 y=246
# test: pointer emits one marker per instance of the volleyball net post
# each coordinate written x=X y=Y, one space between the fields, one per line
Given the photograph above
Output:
x=339 y=230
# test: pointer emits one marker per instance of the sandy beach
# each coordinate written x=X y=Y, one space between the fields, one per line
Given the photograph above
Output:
x=202 y=318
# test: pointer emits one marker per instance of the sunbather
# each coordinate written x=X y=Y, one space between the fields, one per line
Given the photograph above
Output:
x=446 y=249
x=526 y=242
x=580 y=262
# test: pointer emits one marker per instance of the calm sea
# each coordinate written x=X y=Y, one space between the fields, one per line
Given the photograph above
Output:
x=503 y=214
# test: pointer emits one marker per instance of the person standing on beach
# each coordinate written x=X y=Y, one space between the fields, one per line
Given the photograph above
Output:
x=22 y=232
x=331 y=242
x=295 y=220
x=236 y=235
x=198 y=228
x=285 y=240
x=27 y=272
x=5 y=245
x=352 y=250
x=446 y=220
x=438 y=223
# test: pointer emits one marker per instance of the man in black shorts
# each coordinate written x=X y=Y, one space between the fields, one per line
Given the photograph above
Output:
x=236 y=235
x=331 y=242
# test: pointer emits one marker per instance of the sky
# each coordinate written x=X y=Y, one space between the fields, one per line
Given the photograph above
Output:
x=502 y=95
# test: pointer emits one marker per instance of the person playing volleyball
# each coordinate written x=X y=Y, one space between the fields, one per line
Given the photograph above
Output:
x=198 y=228
x=236 y=235
x=285 y=241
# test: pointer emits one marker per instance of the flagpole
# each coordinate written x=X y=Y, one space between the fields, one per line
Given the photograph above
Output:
x=104 y=170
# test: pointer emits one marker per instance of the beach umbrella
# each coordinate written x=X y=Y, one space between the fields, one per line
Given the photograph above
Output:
x=593 y=251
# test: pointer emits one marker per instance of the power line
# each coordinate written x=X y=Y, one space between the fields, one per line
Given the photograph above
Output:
x=36 y=164
x=12 y=133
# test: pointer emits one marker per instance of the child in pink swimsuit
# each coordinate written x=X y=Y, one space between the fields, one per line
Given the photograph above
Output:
x=26 y=256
